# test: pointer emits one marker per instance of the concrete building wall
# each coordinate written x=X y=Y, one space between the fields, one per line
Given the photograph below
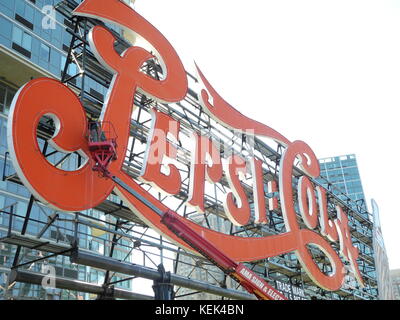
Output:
x=395 y=277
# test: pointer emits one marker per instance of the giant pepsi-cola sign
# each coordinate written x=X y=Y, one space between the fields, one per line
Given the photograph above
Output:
x=83 y=188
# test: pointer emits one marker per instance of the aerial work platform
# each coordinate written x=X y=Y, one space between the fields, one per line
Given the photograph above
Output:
x=34 y=243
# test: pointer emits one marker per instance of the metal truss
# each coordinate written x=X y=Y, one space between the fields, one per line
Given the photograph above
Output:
x=125 y=238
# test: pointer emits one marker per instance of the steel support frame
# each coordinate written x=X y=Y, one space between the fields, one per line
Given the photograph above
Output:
x=107 y=263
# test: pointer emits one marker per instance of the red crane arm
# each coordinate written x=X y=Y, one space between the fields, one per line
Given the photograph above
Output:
x=246 y=277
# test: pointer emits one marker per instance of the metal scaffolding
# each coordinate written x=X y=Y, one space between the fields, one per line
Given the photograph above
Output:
x=125 y=238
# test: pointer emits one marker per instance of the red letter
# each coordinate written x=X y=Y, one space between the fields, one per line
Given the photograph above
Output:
x=347 y=250
x=307 y=202
x=199 y=173
x=273 y=200
x=238 y=213
x=260 y=208
x=158 y=148
x=62 y=190
x=308 y=163
x=328 y=228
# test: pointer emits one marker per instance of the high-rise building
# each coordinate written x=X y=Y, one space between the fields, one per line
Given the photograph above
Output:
x=341 y=175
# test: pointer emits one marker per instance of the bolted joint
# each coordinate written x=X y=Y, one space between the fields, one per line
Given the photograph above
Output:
x=108 y=293
x=163 y=288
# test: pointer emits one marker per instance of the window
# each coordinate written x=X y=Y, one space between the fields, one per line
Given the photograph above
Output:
x=6 y=96
x=24 y=14
x=44 y=52
x=1 y=207
x=25 y=10
x=22 y=41
x=2 y=97
x=63 y=62
x=10 y=95
x=26 y=41
x=72 y=68
x=17 y=35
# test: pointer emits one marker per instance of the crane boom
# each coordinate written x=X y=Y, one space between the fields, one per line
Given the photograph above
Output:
x=246 y=277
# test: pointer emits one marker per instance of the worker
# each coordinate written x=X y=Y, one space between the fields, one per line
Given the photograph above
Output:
x=94 y=131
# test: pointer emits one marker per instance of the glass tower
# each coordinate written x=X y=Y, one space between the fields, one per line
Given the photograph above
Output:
x=340 y=174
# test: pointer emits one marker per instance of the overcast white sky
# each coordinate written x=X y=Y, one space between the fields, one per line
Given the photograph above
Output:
x=325 y=72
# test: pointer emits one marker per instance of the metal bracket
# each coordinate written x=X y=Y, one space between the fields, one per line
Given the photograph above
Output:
x=163 y=288
x=108 y=293
x=50 y=220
